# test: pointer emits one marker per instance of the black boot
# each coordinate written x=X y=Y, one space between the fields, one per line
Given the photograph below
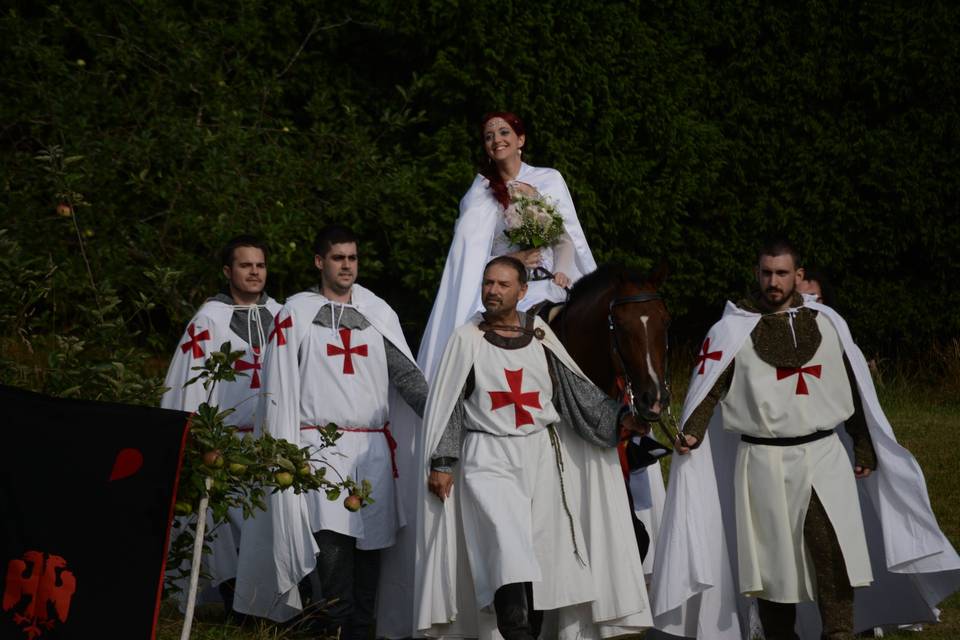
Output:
x=335 y=570
x=513 y=616
x=778 y=619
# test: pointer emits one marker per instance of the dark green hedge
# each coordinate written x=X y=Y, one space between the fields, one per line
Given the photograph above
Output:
x=686 y=131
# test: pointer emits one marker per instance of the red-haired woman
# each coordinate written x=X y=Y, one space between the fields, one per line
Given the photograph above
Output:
x=479 y=235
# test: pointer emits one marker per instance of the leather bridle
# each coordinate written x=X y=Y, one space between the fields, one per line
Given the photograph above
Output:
x=639 y=298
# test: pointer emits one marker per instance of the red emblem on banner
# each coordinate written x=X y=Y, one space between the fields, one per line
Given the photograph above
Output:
x=38 y=590
x=516 y=397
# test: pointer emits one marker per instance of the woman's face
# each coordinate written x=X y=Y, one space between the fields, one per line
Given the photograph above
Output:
x=500 y=140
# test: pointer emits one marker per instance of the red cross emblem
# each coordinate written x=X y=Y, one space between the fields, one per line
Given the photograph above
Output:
x=33 y=583
x=195 y=340
x=347 y=351
x=243 y=365
x=786 y=372
x=278 y=328
x=706 y=354
x=516 y=397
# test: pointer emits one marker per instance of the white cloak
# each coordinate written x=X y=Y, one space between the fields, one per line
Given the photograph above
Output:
x=694 y=591
x=459 y=295
x=278 y=548
x=211 y=328
x=207 y=330
x=445 y=603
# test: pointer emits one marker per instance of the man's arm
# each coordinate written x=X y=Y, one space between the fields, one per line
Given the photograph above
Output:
x=592 y=414
x=864 y=455
x=445 y=456
x=406 y=377
x=696 y=425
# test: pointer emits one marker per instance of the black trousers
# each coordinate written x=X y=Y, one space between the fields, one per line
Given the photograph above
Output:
x=348 y=578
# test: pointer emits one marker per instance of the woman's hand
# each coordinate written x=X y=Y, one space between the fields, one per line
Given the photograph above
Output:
x=562 y=280
x=529 y=257
x=525 y=189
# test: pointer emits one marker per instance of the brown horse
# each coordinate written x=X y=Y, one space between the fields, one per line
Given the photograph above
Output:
x=614 y=325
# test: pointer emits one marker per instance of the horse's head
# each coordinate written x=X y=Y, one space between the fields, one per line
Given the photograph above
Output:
x=615 y=327
x=638 y=321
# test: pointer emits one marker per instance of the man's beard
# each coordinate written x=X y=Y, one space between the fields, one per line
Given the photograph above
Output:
x=787 y=295
x=498 y=309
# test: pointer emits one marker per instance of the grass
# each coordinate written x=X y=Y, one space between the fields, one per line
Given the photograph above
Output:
x=926 y=424
x=926 y=421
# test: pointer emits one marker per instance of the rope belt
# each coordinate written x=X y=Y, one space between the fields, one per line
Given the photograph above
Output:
x=386 y=434
x=788 y=442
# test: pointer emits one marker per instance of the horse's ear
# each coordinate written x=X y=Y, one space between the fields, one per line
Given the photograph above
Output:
x=659 y=276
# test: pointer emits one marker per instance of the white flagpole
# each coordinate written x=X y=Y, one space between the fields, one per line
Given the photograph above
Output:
x=195 y=564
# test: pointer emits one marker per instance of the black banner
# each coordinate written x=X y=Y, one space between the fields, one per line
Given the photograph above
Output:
x=86 y=499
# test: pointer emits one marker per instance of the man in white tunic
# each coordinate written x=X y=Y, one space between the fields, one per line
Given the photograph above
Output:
x=780 y=370
x=241 y=314
x=539 y=504
x=334 y=354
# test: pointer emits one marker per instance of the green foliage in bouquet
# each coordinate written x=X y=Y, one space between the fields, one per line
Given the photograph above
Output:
x=532 y=221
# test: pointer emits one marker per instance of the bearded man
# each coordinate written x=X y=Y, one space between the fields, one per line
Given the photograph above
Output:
x=775 y=377
x=525 y=509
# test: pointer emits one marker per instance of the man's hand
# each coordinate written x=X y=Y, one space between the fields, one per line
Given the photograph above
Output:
x=440 y=484
x=684 y=446
x=861 y=472
x=630 y=422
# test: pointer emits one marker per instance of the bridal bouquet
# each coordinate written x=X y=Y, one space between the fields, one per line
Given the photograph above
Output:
x=531 y=220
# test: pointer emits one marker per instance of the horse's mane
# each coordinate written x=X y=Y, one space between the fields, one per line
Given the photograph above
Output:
x=595 y=284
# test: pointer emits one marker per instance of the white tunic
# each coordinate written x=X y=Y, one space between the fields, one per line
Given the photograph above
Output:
x=773 y=484
x=283 y=551
x=694 y=591
x=342 y=378
x=515 y=523
x=610 y=590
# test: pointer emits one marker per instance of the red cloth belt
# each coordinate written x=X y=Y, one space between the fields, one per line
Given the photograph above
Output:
x=244 y=429
x=386 y=433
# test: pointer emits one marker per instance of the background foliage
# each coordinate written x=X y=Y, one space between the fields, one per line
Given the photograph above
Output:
x=686 y=131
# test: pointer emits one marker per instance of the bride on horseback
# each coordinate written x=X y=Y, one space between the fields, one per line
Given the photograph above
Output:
x=488 y=212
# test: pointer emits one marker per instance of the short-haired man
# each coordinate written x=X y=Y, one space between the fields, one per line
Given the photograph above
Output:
x=782 y=373
x=334 y=354
x=524 y=471
x=242 y=313
x=813 y=282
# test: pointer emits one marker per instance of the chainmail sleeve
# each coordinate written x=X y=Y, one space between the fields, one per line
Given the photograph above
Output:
x=864 y=454
x=583 y=407
x=406 y=378
x=447 y=453
x=699 y=420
